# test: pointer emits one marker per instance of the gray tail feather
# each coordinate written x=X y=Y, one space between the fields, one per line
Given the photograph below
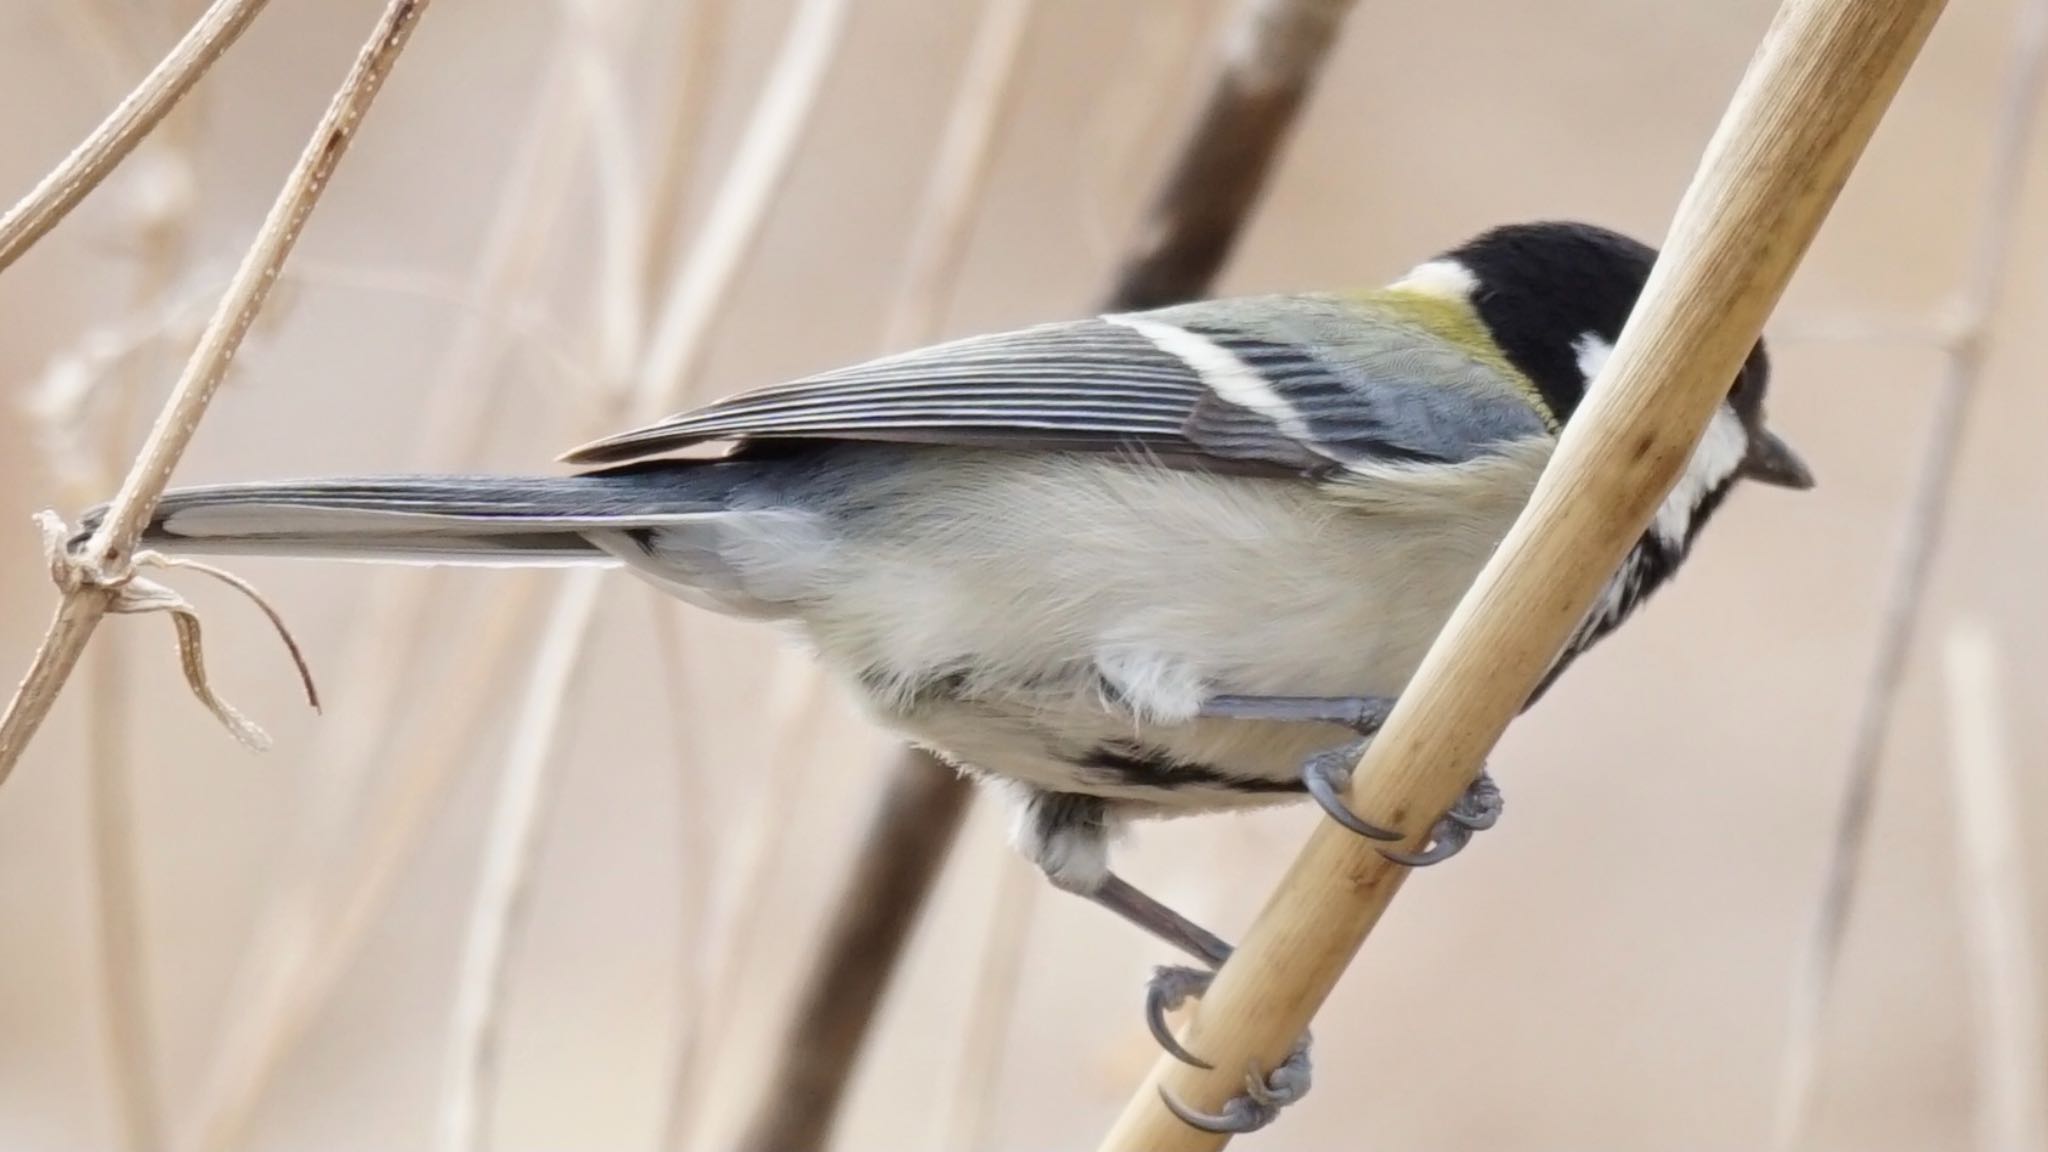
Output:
x=511 y=520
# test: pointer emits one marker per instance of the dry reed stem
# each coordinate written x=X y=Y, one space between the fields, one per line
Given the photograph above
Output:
x=314 y=924
x=162 y=227
x=1272 y=53
x=700 y=30
x=160 y=217
x=1922 y=531
x=698 y=297
x=697 y=867
x=96 y=573
x=916 y=819
x=1270 y=65
x=2005 y=968
x=967 y=1119
x=798 y=1101
x=1805 y=109
x=502 y=892
x=131 y=120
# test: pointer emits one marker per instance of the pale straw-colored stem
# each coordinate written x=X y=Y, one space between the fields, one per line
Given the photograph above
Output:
x=697 y=299
x=1920 y=538
x=1812 y=96
x=2005 y=967
x=311 y=929
x=503 y=892
x=967 y=1119
x=800 y=1097
x=131 y=120
x=109 y=552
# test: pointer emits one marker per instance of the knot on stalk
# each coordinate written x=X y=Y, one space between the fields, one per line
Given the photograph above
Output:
x=76 y=571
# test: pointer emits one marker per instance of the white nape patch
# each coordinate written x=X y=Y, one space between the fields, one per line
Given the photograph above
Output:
x=1221 y=370
x=1717 y=459
x=1592 y=350
x=1446 y=278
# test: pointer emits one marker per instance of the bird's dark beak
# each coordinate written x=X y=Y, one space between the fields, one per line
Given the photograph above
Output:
x=1772 y=461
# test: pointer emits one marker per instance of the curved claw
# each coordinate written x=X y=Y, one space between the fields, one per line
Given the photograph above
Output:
x=1264 y=1097
x=1445 y=842
x=1240 y=1115
x=1167 y=990
x=1326 y=775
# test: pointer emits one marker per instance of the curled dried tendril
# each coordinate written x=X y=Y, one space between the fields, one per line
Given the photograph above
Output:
x=132 y=594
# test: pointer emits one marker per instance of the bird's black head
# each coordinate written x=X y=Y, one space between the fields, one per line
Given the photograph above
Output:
x=1554 y=296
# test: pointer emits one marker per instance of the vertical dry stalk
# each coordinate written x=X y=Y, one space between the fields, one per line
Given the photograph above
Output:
x=130 y=121
x=1807 y=106
x=1273 y=52
x=1271 y=60
x=162 y=218
x=1920 y=539
x=701 y=290
x=700 y=30
x=970 y=1107
x=106 y=556
x=912 y=832
x=917 y=819
x=309 y=933
x=2005 y=969
x=502 y=893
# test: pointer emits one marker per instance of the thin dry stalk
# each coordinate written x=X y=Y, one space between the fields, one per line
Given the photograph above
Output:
x=981 y=108
x=94 y=577
x=694 y=75
x=1273 y=53
x=919 y=815
x=2005 y=969
x=740 y=911
x=124 y=946
x=502 y=893
x=1272 y=59
x=698 y=297
x=796 y=1104
x=310 y=932
x=1807 y=106
x=970 y=1111
x=130 y=121
x=1920 y=539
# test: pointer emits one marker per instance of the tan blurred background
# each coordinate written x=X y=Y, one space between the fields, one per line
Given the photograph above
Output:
x=1610 y=968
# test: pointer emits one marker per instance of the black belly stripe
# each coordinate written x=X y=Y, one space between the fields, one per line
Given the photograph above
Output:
x=1136 y=766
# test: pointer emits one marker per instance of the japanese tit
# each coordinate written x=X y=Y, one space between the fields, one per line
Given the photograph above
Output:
x=1136 y=565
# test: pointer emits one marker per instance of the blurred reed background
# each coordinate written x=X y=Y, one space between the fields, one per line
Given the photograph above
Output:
x=293 y=934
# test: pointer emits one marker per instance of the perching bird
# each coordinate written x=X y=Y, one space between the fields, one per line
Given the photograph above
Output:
x=1144 y=564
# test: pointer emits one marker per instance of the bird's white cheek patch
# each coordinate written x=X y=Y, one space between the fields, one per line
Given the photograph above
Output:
x=1717 y=459
x=1592 y=352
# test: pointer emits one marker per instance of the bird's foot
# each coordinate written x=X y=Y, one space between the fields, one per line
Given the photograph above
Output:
x=1265 y=1094
x=1327 y=776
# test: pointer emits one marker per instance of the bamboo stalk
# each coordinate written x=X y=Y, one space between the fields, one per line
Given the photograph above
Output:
x=93 y=576
x=1801 y=117
x=131 y=120
x=2005 y=968
x=1921 y=535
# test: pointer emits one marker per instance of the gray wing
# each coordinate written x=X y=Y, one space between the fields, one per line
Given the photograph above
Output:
x=1311 y=392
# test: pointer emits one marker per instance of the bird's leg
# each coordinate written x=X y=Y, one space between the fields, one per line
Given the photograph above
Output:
x=1171 y=985
x=1327 y=774
x=1064 y=834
